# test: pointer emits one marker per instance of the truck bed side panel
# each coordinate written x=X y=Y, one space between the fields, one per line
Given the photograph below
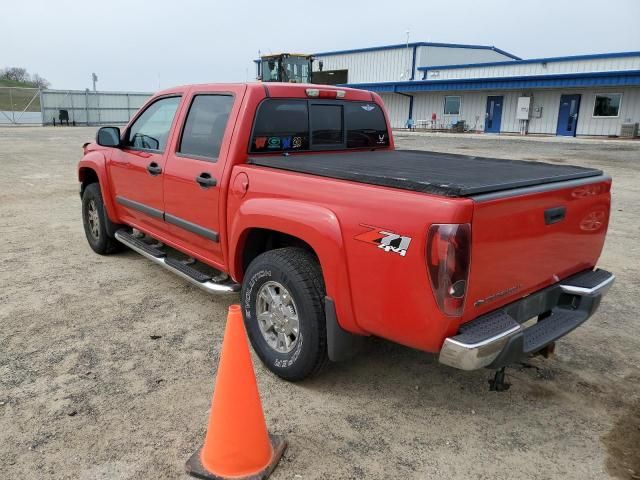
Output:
x=389 y=291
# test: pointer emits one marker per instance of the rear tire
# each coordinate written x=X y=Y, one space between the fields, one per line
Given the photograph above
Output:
x=94 y=219
x=283 y=306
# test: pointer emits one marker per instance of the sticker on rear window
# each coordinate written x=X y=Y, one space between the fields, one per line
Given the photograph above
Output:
x=260 y=142
x=368 y=107
x=273 y=142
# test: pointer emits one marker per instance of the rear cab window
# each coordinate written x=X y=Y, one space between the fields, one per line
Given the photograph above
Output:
x=312 y=125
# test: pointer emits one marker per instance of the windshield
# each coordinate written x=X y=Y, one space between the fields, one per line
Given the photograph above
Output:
x=290 y=69
x=296 y=70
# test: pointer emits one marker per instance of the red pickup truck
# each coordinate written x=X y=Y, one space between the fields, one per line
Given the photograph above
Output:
x=295 y=196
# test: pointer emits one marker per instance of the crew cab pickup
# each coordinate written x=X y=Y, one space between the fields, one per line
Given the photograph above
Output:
x=294 y=196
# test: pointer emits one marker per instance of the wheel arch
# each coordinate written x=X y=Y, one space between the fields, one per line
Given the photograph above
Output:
x=92 y=169
x=263 y=224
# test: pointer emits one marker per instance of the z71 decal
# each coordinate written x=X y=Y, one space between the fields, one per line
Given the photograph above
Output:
x=385 y=240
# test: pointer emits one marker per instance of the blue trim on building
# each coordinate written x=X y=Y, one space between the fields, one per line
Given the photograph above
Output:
x=594 y=56
x=413 y=63
x=410 y=103
x=570 y=80
x=416 y=44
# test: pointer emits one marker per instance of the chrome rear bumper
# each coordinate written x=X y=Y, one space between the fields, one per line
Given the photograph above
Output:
x=505 y=335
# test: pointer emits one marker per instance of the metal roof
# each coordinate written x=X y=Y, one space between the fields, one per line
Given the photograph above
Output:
x=417 y=44
x=593 y=79
x=593 y=56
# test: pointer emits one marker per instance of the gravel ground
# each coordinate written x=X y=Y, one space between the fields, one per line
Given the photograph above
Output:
x=107 y=363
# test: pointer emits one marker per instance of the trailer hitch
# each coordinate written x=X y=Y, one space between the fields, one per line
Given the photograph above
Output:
x=497 y=383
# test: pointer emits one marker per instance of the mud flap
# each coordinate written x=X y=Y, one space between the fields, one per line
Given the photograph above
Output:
x=341 y=345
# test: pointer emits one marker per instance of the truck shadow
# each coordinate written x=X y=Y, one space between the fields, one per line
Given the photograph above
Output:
x=397 y=371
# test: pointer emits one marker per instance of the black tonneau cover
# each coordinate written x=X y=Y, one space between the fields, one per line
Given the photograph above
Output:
x=428 y=172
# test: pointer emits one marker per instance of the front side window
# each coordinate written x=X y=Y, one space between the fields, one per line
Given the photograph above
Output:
x=270 y=69
x=205 y=125
x=299 y=125
x=150 y=131
x=607 y=105
x=451 y=105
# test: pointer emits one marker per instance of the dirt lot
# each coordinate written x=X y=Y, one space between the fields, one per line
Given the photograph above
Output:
x=86 y=392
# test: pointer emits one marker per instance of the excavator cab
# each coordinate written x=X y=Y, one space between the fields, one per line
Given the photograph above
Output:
x=285 y=67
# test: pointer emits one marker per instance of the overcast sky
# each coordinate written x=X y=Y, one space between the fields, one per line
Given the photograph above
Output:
x=135 y=45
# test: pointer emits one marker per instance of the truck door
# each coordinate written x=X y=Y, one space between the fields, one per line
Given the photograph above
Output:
x=137 y=168
x=193 y=177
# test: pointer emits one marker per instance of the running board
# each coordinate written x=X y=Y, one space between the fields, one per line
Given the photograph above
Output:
x=190 y=274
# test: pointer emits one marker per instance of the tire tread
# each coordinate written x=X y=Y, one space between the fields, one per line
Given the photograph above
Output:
x=306 y=265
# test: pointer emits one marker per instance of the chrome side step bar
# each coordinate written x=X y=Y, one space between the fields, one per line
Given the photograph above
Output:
x=209 y=285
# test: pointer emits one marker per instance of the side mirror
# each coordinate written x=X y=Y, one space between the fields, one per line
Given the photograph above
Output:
x=108 y=137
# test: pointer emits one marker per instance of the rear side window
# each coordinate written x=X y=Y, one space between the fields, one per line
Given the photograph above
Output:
x=299 y=125
x=205 y=125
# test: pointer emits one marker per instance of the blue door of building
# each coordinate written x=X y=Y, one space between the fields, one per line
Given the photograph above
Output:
x=568 y=115
x=493 y=117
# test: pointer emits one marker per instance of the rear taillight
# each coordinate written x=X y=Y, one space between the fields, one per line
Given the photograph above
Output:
x=448 y=254
x=320 y=93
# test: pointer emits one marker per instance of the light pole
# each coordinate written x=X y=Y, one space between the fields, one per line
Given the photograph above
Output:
x=409 y=72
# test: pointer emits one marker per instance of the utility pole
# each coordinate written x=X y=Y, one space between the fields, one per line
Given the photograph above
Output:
x=409 y=72
x=94 y=78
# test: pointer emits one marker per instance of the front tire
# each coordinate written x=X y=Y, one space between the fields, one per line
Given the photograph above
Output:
x=283 y=306
x=94 y=219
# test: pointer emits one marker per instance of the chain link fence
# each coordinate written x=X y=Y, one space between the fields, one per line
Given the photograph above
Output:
x=77 y=107
x=20 y=105
x=25 y=106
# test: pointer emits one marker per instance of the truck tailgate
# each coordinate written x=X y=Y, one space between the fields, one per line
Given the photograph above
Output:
x=530 y=238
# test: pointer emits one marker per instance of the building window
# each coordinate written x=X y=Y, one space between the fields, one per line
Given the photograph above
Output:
x=451 y=105
x=607 y=104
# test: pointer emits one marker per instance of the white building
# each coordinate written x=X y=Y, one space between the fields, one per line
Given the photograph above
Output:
x=437 y=85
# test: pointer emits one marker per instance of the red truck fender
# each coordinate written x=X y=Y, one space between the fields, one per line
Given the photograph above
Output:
x=92 y=168
x=317 y=226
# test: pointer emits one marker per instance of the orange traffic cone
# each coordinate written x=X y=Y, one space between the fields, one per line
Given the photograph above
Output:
x=237 y=444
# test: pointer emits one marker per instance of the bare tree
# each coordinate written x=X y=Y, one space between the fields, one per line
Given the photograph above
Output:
x=17 y=74
x=39 y=81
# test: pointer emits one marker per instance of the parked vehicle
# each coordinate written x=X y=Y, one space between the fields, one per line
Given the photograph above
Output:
x=295 y=196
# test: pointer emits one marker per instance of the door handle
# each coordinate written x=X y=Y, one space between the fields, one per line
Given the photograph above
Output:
x=205 y=180
x=554 y=215
x=154 y=169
